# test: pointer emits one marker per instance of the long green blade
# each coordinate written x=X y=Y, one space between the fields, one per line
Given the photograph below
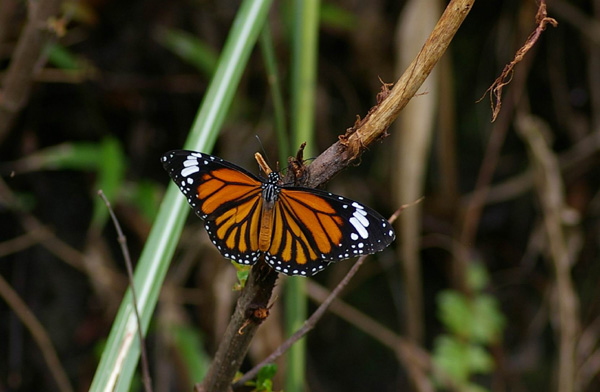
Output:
x=120 y=357
x=304 y=63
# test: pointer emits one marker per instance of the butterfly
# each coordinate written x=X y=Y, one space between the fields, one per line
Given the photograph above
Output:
x=299 y=231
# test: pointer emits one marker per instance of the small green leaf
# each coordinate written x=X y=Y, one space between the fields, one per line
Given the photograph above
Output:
x=478 y=359
x=450 y=355
x=264 y=378
x=62 y=58
x=111 y=171
x=189 y=48
x=488 y=319
x=242 y=272
x=75 y=156
x=455 y=313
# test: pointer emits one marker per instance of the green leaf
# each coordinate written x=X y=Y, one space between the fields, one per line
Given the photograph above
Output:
x=488 y=319
x=189 y=48
x=111 y=171
x=478 y=359
x=62 y=58
x=450 y=355
x=460 y=360
x=242 y=271
x=143 y=195
x=455 y=313
x=74 y=156
x=264 y=378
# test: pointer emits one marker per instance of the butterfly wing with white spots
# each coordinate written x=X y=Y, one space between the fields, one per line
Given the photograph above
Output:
x=313 y=228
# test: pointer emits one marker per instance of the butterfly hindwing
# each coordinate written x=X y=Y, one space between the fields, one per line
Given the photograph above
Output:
x=225 y=196
x=313 y=228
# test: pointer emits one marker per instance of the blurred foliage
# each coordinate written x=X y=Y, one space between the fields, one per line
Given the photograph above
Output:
x=473 y=321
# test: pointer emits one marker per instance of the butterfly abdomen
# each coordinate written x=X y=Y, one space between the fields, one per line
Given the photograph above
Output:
x=270 y=194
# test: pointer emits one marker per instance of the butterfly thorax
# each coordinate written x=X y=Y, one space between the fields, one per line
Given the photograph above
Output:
x=271 y=188
x=270 y=194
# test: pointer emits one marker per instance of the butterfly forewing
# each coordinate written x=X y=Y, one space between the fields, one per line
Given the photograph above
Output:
x=313 y=228
x=225 y=196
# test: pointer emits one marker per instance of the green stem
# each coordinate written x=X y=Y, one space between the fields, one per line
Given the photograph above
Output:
x=304 y=62
x=268 y=52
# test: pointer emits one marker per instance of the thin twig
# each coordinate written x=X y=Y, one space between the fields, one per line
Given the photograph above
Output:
x=18 y=244
x=123 y=243
x=38 y=333
x=102 y=275
x=310 y=323
x=415 y=359
x=542 y=20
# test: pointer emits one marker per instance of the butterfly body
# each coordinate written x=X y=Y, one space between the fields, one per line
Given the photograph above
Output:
x=299 y=231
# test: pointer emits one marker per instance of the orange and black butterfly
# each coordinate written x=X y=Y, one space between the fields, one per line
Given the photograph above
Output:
x=298 y=230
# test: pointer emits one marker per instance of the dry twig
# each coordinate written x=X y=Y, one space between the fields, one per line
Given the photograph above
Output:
x=542 y=20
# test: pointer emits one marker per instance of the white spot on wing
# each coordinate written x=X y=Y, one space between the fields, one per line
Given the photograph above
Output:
x=189 y=171
x=361 y=218
x=359 y=227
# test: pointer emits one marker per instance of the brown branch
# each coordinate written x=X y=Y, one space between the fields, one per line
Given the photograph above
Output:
x=28 y=53
x=351 y=145
x=253 y=302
